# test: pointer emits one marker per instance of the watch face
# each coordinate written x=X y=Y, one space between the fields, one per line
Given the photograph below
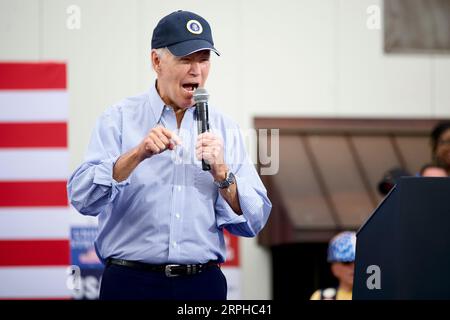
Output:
x=227 y=182
x=230 y=177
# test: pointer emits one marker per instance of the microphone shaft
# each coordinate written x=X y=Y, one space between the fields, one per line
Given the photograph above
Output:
x=203 y=126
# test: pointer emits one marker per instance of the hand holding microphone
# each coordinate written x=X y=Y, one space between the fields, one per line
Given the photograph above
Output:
x=209 y=146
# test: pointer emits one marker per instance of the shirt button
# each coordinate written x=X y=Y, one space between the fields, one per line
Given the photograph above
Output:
x=167 y=108
x=177 y=216
x=179 y=188
x=174 y=244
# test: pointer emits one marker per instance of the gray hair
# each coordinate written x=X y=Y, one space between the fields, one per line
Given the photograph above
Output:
x=162 y=51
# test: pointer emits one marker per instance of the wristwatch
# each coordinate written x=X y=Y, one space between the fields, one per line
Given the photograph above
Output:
x=229 y=180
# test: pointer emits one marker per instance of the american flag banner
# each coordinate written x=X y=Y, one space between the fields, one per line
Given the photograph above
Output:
x=34 y=159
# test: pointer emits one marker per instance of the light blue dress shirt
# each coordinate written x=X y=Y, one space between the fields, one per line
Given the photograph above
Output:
x=168 y=210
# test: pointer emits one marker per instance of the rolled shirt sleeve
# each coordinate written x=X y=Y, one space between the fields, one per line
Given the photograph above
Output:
x=252 y=194
x=92 y=186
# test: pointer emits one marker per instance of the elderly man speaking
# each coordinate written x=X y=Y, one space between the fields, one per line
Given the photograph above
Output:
x=161 y=216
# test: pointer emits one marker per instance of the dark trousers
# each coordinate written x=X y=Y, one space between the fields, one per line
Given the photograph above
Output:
x=125 y=283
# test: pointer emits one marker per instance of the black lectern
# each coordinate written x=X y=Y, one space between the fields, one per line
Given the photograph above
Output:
x=403 y=249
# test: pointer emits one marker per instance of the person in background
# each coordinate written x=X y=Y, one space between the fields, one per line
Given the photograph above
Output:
x=432 y=170
x=341 y=256
x=440 y=145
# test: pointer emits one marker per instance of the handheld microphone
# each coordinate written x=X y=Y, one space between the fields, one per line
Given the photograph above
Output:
x=201 y=102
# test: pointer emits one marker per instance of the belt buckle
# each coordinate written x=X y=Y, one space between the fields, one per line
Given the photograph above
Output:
x=168 y=270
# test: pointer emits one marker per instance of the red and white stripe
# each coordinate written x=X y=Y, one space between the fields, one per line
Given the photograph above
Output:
x=34 y=211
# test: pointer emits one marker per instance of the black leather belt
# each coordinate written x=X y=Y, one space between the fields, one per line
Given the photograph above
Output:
x=170 y=270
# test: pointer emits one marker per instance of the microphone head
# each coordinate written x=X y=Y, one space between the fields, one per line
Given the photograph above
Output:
x=201 y=95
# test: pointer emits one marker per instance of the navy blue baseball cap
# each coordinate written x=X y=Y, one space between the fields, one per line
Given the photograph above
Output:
x=183 y=33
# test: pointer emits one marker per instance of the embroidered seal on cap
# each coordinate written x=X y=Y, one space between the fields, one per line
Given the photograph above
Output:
x=194 y=27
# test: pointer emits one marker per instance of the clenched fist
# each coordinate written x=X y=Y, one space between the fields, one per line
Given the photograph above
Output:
x=158 y=140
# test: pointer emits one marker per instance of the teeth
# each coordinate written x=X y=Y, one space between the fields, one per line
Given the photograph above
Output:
x=190 y=87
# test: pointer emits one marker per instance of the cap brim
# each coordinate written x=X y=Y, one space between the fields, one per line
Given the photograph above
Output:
x=188 y=47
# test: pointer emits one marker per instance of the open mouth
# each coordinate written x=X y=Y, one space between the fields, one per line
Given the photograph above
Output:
x=190 y=87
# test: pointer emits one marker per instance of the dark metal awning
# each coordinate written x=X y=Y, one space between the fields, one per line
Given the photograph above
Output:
x=329 y=170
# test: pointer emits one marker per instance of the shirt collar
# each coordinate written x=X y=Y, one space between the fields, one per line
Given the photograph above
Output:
x=157 y=105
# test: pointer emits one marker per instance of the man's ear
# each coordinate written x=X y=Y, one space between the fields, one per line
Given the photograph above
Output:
x=156 y=61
